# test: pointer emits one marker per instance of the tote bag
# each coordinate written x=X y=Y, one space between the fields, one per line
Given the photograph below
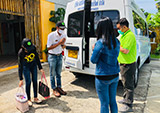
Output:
x=21 y=100
x=43 y=87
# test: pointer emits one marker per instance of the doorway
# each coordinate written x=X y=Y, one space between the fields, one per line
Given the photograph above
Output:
x=12 y=32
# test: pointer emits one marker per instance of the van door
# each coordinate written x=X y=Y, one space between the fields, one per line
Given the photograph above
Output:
x=73 y=51
x=78 y=26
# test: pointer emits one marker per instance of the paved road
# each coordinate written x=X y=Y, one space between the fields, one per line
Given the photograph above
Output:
x=81 y=97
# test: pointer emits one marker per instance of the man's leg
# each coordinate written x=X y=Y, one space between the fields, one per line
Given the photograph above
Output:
x=52 y=67
x=52 y=60
x=127 y=73
x=58 y=73
x=58 y=70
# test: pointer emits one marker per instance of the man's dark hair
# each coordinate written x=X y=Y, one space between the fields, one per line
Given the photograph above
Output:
x=123 y=21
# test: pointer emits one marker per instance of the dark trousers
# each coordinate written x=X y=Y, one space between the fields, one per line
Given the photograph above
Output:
x=26 y=71
x=127 y=74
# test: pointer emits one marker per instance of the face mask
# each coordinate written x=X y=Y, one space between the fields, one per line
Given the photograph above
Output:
x=120 y=32
x=61 y=31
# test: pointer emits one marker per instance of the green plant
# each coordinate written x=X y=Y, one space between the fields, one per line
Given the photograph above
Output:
x=155 y=56
x=157 y=51
x=57 y=16
x=153 y=19
x=45 y=50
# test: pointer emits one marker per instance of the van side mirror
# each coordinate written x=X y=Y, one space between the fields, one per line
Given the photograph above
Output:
x=153 y=35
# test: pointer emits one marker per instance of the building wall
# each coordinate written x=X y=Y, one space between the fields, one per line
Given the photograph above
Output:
x=46 y=25
x=60 y=3
x=45 y=7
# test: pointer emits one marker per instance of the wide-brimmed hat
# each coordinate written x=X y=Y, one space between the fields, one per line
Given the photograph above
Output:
x=27 y=44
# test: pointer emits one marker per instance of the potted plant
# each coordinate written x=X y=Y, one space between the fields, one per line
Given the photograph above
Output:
x=57 y=16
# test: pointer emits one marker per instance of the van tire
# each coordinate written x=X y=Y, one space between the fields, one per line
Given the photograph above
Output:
x=136 y=76
x=148 y=59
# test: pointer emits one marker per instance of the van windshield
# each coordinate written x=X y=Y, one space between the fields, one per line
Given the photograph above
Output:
x=75 y=22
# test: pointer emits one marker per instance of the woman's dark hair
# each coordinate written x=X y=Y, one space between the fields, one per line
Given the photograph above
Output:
x=105 y=29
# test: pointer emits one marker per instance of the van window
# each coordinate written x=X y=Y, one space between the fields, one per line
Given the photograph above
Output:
x=75 y=22
x=139 y=23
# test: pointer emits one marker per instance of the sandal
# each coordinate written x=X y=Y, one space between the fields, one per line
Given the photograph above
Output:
x=37 y=101
x=30 y=103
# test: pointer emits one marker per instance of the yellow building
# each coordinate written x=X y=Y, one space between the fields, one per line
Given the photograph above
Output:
x=24 y=18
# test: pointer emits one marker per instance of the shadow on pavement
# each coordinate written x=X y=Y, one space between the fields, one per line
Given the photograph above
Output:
x=52 y=103
x=88 y=83
x=81 y=94
x=85 y=81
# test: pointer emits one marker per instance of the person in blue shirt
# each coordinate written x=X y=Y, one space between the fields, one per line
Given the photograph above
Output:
x=105 y=53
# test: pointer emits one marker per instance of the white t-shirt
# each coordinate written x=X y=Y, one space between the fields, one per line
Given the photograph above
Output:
x=54 y=38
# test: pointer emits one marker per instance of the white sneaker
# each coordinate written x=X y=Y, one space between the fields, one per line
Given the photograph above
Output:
x=125 y=108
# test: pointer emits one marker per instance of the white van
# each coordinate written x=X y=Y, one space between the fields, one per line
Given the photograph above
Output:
x=79 y=45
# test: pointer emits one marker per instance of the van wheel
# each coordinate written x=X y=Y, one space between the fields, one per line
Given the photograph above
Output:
x=136 y=76
x=148 y=59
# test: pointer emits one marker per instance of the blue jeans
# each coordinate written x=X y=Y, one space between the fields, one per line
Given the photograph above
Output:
x=26 y=71
x=55 y=66
x=106 y=90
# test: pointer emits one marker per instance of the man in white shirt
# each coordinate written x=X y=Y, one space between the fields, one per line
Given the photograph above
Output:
x=55 y=44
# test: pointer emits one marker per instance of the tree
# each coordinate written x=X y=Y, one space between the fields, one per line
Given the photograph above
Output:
x=158 y=5
x=153 y=19
x=145 y=13
x=57 y=16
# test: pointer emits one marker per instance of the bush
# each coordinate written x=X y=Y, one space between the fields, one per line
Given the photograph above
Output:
x=157 y=51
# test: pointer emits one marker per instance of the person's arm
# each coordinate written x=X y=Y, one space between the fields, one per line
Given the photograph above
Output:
x=20 y=67
x=38 y=62
x=125 y=51
x=55 y=45
x=20 y=64
x=96 y=52
x=63 y=44
x=129 y=41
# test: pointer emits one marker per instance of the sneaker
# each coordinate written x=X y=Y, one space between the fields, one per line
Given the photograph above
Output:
x=30 y=103
x=60 y=90
x=37 y=101
x=122 y=101
x=56 y=93
x=125 y=108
